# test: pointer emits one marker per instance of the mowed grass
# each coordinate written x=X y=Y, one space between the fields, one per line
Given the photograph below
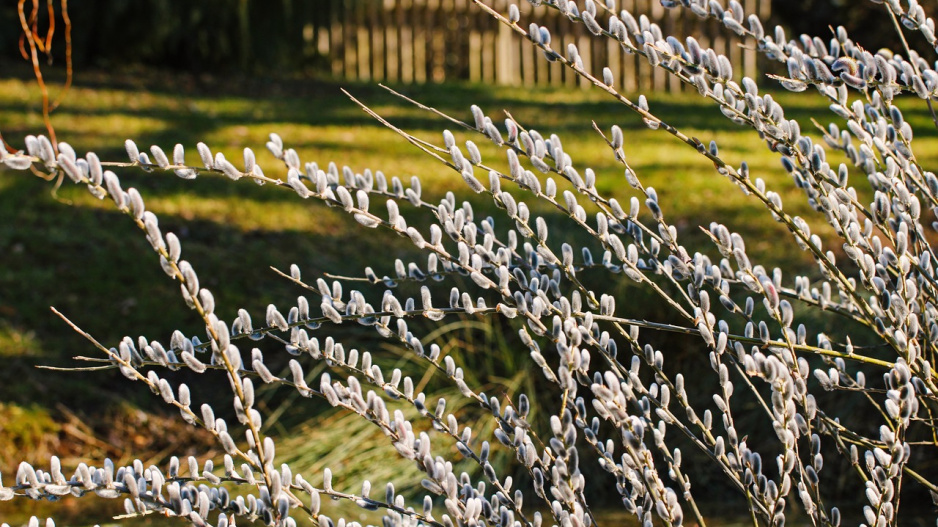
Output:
x=80 y=255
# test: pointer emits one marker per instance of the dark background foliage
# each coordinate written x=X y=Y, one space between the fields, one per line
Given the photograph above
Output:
x=253 y=37
x=866 y=22
x=210 y=36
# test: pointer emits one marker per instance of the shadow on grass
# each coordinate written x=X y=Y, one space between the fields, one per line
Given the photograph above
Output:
x=202 y=104
x=95 y=266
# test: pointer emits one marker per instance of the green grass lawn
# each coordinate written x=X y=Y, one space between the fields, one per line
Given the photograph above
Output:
x=83 y=257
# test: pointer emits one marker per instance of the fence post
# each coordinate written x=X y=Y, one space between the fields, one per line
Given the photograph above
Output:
x=506 y=59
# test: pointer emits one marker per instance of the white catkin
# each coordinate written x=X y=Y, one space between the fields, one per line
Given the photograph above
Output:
x=71 y=169
x=249 y=160
x=132 y=151
x=159 y=156
x=513 y=14
x=206 y=155
x=17 y=162
x=179 y=155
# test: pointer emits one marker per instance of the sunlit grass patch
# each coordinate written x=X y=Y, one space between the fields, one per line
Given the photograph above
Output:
x=14 y=341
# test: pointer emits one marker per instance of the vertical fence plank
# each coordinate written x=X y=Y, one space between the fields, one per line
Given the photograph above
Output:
x=423 y=20
x=586 y=55
x=749 y=54
x=378 y=51
x=543 y=69
x=362 y=42
x=556 y=69
x=475 y=55
x=455 y=44
x=390 y=14
x=569 y=77
x=436 y=39
x=488 y=56
x=659 y=76
x=674 y=25
x=629 y=71
x=507 y=55
x=528 y=63
x=614 y=61
x=407 y=12
x=645 y=73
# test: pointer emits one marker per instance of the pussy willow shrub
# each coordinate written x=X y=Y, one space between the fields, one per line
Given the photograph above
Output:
x=817 y=410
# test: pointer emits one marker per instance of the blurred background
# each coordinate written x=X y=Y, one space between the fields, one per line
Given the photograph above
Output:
x=405 y=40
x=230 y=72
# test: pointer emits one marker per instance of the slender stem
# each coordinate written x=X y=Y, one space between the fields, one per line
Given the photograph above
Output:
x=905 y=46
x=34 y=58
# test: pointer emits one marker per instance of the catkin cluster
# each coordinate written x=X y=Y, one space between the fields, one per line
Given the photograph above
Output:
x=615 y=402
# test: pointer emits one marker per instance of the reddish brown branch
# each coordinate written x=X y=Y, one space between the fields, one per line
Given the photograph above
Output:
x=67 y=22
x=48 y=42
x=38 y=44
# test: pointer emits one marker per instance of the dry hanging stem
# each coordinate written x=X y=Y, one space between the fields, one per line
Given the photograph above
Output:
x=38 y=44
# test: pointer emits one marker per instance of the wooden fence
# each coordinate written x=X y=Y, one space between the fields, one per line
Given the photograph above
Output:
x=419 y=41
